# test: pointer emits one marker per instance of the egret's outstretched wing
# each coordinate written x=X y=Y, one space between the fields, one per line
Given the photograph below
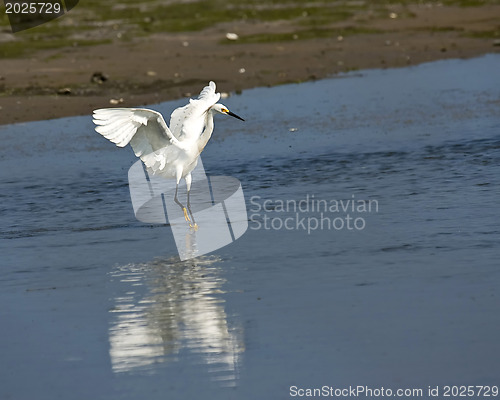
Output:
x=144 y=129
x=188 y=121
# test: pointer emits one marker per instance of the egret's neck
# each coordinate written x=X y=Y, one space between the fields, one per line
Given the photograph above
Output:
x=207 y=132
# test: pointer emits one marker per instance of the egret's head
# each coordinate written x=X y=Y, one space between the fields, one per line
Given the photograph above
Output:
x=222 y=109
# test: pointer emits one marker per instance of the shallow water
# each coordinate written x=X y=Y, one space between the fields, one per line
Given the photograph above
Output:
x=399 y=291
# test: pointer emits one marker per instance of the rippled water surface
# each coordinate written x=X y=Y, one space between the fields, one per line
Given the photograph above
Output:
x=371 y=256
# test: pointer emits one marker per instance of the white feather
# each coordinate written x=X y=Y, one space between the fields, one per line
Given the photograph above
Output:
x=170 y=152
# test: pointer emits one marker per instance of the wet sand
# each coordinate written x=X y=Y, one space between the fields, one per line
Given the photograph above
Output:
x=163 y=66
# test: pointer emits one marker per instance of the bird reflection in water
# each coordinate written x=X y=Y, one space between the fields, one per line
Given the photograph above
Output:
x=168 y=306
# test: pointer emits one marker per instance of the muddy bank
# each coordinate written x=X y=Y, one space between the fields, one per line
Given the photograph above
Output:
x=116 y=66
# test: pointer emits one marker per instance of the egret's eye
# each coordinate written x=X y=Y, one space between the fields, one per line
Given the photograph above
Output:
x=225 y=110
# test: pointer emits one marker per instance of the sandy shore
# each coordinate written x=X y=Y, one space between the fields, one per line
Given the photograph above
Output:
x=162 y=66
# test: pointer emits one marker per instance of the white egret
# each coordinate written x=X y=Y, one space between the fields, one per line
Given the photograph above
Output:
x=168 y=152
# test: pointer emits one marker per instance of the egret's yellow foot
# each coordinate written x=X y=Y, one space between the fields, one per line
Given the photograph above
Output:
x=186 y=216
x=194 y=226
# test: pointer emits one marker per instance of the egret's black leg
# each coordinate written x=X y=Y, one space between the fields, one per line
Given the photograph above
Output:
x=189 y=179
x=186 y=216
x=194 y=225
